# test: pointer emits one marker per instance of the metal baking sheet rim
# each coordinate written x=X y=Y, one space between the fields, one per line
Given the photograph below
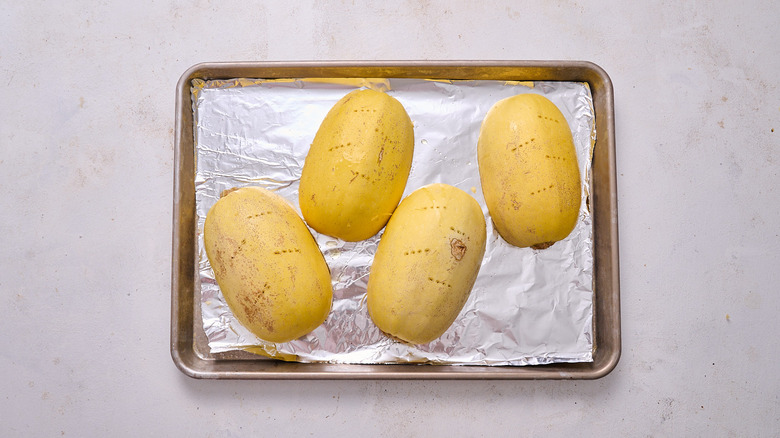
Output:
x=189 y=349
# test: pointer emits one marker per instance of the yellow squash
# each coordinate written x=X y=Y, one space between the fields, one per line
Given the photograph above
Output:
x=528 y=169
x=356 y=169
x=426 y=263
x=267 y=264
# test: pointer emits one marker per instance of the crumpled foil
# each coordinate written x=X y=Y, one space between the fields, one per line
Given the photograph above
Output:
x=527 y=306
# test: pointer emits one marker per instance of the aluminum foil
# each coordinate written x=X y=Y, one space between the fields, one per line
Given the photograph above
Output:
x=527 y=306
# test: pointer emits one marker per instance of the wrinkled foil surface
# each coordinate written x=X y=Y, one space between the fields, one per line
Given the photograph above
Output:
x=527 y=306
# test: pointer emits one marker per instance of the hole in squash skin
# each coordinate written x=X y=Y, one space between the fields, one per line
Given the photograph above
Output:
x=262 y=213
x=457 y=231
x=441 y=282
x=285 y=251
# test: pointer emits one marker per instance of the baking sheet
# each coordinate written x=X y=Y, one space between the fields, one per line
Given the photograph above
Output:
x=527 y=306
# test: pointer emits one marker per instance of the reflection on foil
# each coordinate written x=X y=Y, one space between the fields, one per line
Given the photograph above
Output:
x=527 y=306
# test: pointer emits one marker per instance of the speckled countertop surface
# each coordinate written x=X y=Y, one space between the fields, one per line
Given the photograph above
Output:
x=86 y=171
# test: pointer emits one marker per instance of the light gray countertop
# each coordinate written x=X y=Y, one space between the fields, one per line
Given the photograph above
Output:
x=86 y=173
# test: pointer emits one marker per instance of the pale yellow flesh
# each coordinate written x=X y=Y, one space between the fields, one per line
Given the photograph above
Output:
x=357 y=167
x=529 y=172
x=267 y=265
x=426 y=263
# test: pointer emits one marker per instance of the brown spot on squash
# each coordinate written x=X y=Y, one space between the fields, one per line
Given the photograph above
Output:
x=543 y=245
x=457 y=248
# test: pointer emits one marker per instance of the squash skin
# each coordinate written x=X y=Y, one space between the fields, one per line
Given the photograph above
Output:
x=529 y=172
x=267 y=264
x=357 y=167
x=426 y=263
